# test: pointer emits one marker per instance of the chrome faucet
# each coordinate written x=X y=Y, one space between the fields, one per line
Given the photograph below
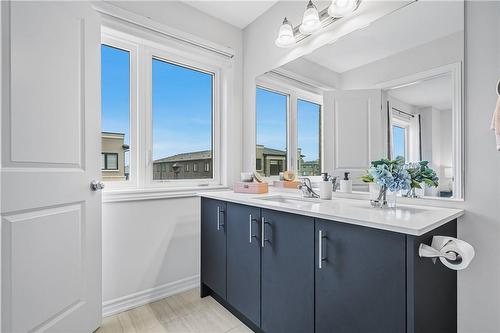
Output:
x=306 y=188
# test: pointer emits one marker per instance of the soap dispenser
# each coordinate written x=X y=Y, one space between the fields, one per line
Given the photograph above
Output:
x=325 y=187
x=346 y=183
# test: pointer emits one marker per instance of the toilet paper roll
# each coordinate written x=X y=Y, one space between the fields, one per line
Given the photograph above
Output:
x=446 y=244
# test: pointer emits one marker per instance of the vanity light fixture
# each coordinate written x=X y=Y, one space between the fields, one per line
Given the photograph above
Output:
x=286 y=36
x=341 y=8
x=310 y=20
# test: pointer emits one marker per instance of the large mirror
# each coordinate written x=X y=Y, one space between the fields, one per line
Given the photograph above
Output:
x=393 y=88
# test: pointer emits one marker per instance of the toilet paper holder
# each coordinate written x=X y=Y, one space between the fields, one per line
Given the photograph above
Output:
x=430 y=252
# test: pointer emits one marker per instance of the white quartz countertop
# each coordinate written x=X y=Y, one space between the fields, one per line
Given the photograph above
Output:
x=408 y=219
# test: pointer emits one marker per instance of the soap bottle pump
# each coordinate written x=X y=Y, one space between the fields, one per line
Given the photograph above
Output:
x=346 y=183
x=325 y=187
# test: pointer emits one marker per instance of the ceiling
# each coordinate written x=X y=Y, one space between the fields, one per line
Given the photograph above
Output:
x=237 y=13
x=435 y=92
x=409 y=27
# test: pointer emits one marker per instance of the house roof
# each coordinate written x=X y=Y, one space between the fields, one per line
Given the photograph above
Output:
x=191 y=156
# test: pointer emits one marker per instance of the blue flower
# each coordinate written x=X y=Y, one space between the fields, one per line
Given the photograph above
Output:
x=401 y=181
x=381 y=175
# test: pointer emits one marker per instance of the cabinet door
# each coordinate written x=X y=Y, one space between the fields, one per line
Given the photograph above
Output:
x=360 y=284
x=287 y=273
x=243 y=260
x=213 y=245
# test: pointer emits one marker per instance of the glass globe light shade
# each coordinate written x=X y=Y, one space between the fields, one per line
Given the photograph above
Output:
x=286 y=37
x=310 y=20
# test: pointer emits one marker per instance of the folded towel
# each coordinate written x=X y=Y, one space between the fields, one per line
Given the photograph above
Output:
x=495 y=123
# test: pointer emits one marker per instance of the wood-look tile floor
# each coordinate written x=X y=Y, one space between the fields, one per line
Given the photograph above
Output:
x=181 y=313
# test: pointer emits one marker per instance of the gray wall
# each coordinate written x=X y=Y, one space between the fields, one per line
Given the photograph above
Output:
x=479 y=286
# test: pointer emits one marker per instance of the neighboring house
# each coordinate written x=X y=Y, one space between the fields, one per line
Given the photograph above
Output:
x=270 y=162
x=113 y=151
x=193 y=165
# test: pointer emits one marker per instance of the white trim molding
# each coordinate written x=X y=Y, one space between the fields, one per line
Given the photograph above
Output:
x=137 y=299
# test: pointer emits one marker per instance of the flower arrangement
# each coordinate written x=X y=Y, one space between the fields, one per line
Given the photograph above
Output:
x=390 y=174
x=395 y=175
x=420 y=173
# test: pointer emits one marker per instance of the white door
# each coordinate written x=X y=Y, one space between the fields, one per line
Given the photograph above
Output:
x=50 y=144
x=359 y=127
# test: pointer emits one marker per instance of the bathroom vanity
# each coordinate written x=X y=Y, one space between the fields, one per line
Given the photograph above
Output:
x=281 y=263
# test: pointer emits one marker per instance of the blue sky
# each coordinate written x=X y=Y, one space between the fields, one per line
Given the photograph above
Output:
x=398 y=141
x=182 y=110
x=308 y=126
x=115 y=91
x=271 y=119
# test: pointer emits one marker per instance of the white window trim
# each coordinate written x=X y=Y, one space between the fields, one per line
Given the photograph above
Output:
x=293 y=94
x=120 y=43
x=146 y=45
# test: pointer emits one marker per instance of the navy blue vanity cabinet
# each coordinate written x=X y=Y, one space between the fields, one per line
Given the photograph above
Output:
x=213 y=246
x=243 y=260
x=360 y=279
x=431 y=287
x=287 y=303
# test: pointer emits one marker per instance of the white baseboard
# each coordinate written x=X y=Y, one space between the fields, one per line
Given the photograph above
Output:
x=134 y=300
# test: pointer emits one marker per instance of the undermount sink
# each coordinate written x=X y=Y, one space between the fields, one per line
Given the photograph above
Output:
x=302 y=203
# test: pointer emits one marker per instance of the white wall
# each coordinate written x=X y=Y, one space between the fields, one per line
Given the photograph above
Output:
x=149 y=244
x=478 y=286
x=151 y=248
x=445 y=51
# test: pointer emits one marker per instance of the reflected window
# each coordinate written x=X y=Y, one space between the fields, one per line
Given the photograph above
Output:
x=399 y=141
x=309 y=138
x=271 y=132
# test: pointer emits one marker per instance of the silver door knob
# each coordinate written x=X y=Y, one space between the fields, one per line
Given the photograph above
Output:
x=96 y=185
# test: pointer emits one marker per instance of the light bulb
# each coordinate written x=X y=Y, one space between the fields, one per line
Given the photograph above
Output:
x=341 y=8
x=286 y=37
x=310 y=20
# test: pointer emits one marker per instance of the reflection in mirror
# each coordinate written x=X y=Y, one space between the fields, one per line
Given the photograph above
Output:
x=392 y=88
x=421 y=128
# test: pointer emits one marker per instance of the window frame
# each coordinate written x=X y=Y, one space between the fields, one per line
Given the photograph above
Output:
x=294 y=93
x=125 y=45
x=106 y=162
x=195 y=63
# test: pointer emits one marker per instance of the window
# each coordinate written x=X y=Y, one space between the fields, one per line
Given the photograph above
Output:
x=271 y=131
x=258 y=164
x=109 y=161
x=309 y=138
x=399 y=141
x=182 y=114
x=178 y=130
x=115 y=117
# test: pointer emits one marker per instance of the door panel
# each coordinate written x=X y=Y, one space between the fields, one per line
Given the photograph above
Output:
x=359 y=134
x=243 y=260
x=287 y=273
x=360 y=286
x=213 y=245
x=51 y=220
